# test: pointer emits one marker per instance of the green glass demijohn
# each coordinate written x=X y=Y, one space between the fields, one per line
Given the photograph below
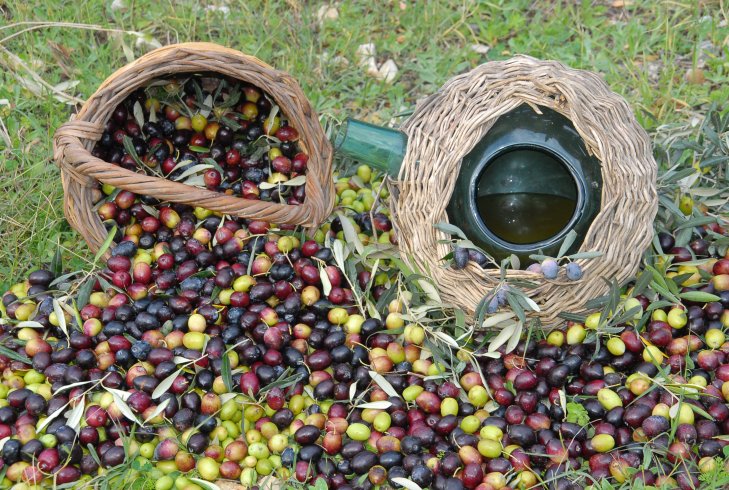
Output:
x=521 y=189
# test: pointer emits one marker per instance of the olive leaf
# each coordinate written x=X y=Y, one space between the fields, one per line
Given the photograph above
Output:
x=569 y=239
x=450 y=230
x=181 y=164
x=225 y=372
x=151 y=211
x=195 y=169
x=226 y=397
x=384 y=384
x=46 y=422
x=340 y=253
x=160 y=408
x=378 y=405
x=673 y=410
x=195 y=180
x=124 y=409
x=216 y=166
x=72 y=385
x=63 y=278
x=404 y=482
x=124 y=395
x=430 y=291
x=349 y=234
x=326 y=284
x=94 y=454
x=699 y=297
x=298 y=180
x=166 y=384
x=232 y=98
x=138 y=114
x=207 y=106
x=205 y=484
x=534 y=306
x=84 y=292
x=198 y=91
x=107 y=243
x=72 y=310
x=698 y=221
x=446 y=338
x=497 y=318
x=14 y=355
x=270 y=119
x=29 y=324
x=60 y=317
x=132 y=152
x=586 y=255
x=230 y=123
x=515 y=337
x=502 y=337
x=74 y=416
x=57 y=262
x=562 y=400
x=700 y=411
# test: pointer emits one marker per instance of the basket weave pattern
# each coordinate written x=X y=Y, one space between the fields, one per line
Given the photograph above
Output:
x=448 y=124
x=74 y=141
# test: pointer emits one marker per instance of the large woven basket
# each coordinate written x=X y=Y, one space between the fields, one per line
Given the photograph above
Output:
x=447 y=125
x=80 y=171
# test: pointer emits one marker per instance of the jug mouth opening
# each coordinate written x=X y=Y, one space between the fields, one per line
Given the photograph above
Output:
x=526 y=197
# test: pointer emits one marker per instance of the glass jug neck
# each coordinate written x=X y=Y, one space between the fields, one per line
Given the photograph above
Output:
x=379 y=147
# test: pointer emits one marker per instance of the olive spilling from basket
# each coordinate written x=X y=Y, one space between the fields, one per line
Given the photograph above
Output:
x=208 y=132
x=213 y=348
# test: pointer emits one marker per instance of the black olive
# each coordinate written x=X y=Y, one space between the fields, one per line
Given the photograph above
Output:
x=310 y=453
x=363 y=461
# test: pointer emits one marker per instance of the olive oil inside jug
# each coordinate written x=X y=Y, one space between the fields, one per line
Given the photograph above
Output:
x=523 y=217
x=522 y=205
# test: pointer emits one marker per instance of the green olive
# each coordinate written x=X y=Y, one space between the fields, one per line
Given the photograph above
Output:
x=357 y=432
x=411 y=392
x=259 y=450
x=489 y=448
x=603 y=443
x=449 y=406
x=470 y=424
x=382 y=422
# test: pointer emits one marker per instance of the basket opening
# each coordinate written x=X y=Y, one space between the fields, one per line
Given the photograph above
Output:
x=525 y=185
x=526 y=196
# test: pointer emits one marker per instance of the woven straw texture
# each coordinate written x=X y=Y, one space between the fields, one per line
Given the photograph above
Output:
x=447 y=125
x=80 y=171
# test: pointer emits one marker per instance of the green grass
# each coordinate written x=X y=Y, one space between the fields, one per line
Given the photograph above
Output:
x=643 y=51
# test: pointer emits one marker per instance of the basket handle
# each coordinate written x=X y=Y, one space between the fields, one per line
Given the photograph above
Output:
x=72 y=155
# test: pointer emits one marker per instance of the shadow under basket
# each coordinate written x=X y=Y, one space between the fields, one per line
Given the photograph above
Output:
x=80 y=171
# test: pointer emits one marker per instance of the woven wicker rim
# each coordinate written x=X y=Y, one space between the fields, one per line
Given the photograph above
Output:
x=448 y=124
x=80 y=170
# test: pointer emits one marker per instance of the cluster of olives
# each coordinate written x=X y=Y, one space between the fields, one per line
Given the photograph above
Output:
x=217 y=348
x=213 y=133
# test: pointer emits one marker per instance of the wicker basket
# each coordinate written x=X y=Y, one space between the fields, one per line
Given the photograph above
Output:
x=447 y=125
x=80 y=170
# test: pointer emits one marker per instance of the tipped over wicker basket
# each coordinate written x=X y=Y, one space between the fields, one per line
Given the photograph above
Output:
x=448 y=124
x=80 y=170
